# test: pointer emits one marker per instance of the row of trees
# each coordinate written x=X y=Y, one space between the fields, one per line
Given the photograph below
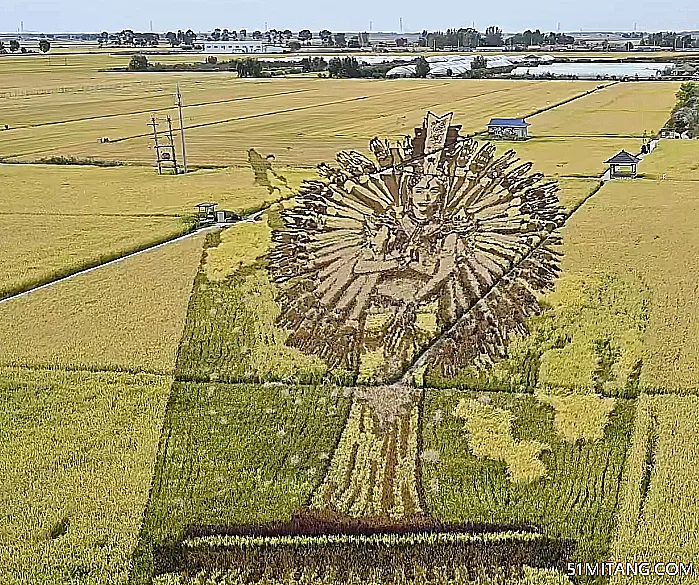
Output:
x=536 y=37
x=468 y=38
x=667 y=39
x=247 y=67
x=327 y=38
x=15 y=46
x=128 y=38
x=685 y=115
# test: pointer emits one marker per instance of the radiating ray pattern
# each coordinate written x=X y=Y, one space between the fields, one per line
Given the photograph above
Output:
x=438 y=237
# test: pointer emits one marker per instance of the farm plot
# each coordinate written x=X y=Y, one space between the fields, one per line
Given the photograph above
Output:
x=231 y=332
x=307 y=122
x=676 y=160
x=659 y=519
x=127 y=316
x=623 y=316
x=551 y=460
x=571 y=157
x=573 y=191
x=236 y=455
x=133 y=191
x=623 y=109
x=76 y=460
x=41 y=248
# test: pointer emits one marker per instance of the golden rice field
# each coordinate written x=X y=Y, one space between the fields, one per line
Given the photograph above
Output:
x=660 y=521
x=81 y=442
x=677 y=160
x=124 y=317
x=76 y=462
x=643 y=234
x=302 y=121
x=40 y=248
x=130 y=191
x=623 y=109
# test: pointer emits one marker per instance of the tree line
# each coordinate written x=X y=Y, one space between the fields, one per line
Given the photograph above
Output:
x=685 y=115
x=14 y=46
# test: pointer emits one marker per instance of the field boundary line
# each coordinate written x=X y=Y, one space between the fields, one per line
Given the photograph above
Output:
x=116 y=115
x=59 y=214
x=484 y=134
x=99 y=265
x=86 y=370
x=276 y=112
x=569 y=100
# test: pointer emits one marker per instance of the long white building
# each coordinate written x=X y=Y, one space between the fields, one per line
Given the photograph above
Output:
x=237 y=47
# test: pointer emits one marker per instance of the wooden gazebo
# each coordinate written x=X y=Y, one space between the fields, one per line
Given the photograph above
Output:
x=623 y=165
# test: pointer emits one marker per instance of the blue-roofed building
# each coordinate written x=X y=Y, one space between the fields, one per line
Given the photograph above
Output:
x=508 y=129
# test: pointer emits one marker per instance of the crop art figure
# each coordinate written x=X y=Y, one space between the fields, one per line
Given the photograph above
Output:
x=382 y=257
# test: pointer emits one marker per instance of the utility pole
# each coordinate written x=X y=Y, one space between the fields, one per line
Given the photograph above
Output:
x=179 y=107
x=172 y=144
x=401 y=24
x=154 y=124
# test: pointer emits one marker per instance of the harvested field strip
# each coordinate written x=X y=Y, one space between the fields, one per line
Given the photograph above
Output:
x=128 y=316
x=68 y=247
x=76 y=461
x=272 y=113
x=567 y=101
x=282 y=132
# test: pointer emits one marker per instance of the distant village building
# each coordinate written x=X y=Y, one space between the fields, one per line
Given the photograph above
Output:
x=623 y=165
x=240 y=47
x=508 y=129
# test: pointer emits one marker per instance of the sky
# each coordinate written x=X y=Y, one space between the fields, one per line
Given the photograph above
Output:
x=351 y=15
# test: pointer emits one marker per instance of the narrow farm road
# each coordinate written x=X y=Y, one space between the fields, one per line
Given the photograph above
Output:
x=111 y=262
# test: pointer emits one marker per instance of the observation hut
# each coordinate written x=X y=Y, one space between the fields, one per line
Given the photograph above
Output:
x=208 y=213
x=508 y=129
x=623 y=166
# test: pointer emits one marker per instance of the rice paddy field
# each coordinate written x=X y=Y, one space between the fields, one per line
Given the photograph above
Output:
x=164 y=422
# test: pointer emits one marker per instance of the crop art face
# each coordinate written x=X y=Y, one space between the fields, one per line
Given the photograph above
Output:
x=427 y=198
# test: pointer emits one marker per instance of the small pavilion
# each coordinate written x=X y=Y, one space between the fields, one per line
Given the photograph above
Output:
x=623 y=165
